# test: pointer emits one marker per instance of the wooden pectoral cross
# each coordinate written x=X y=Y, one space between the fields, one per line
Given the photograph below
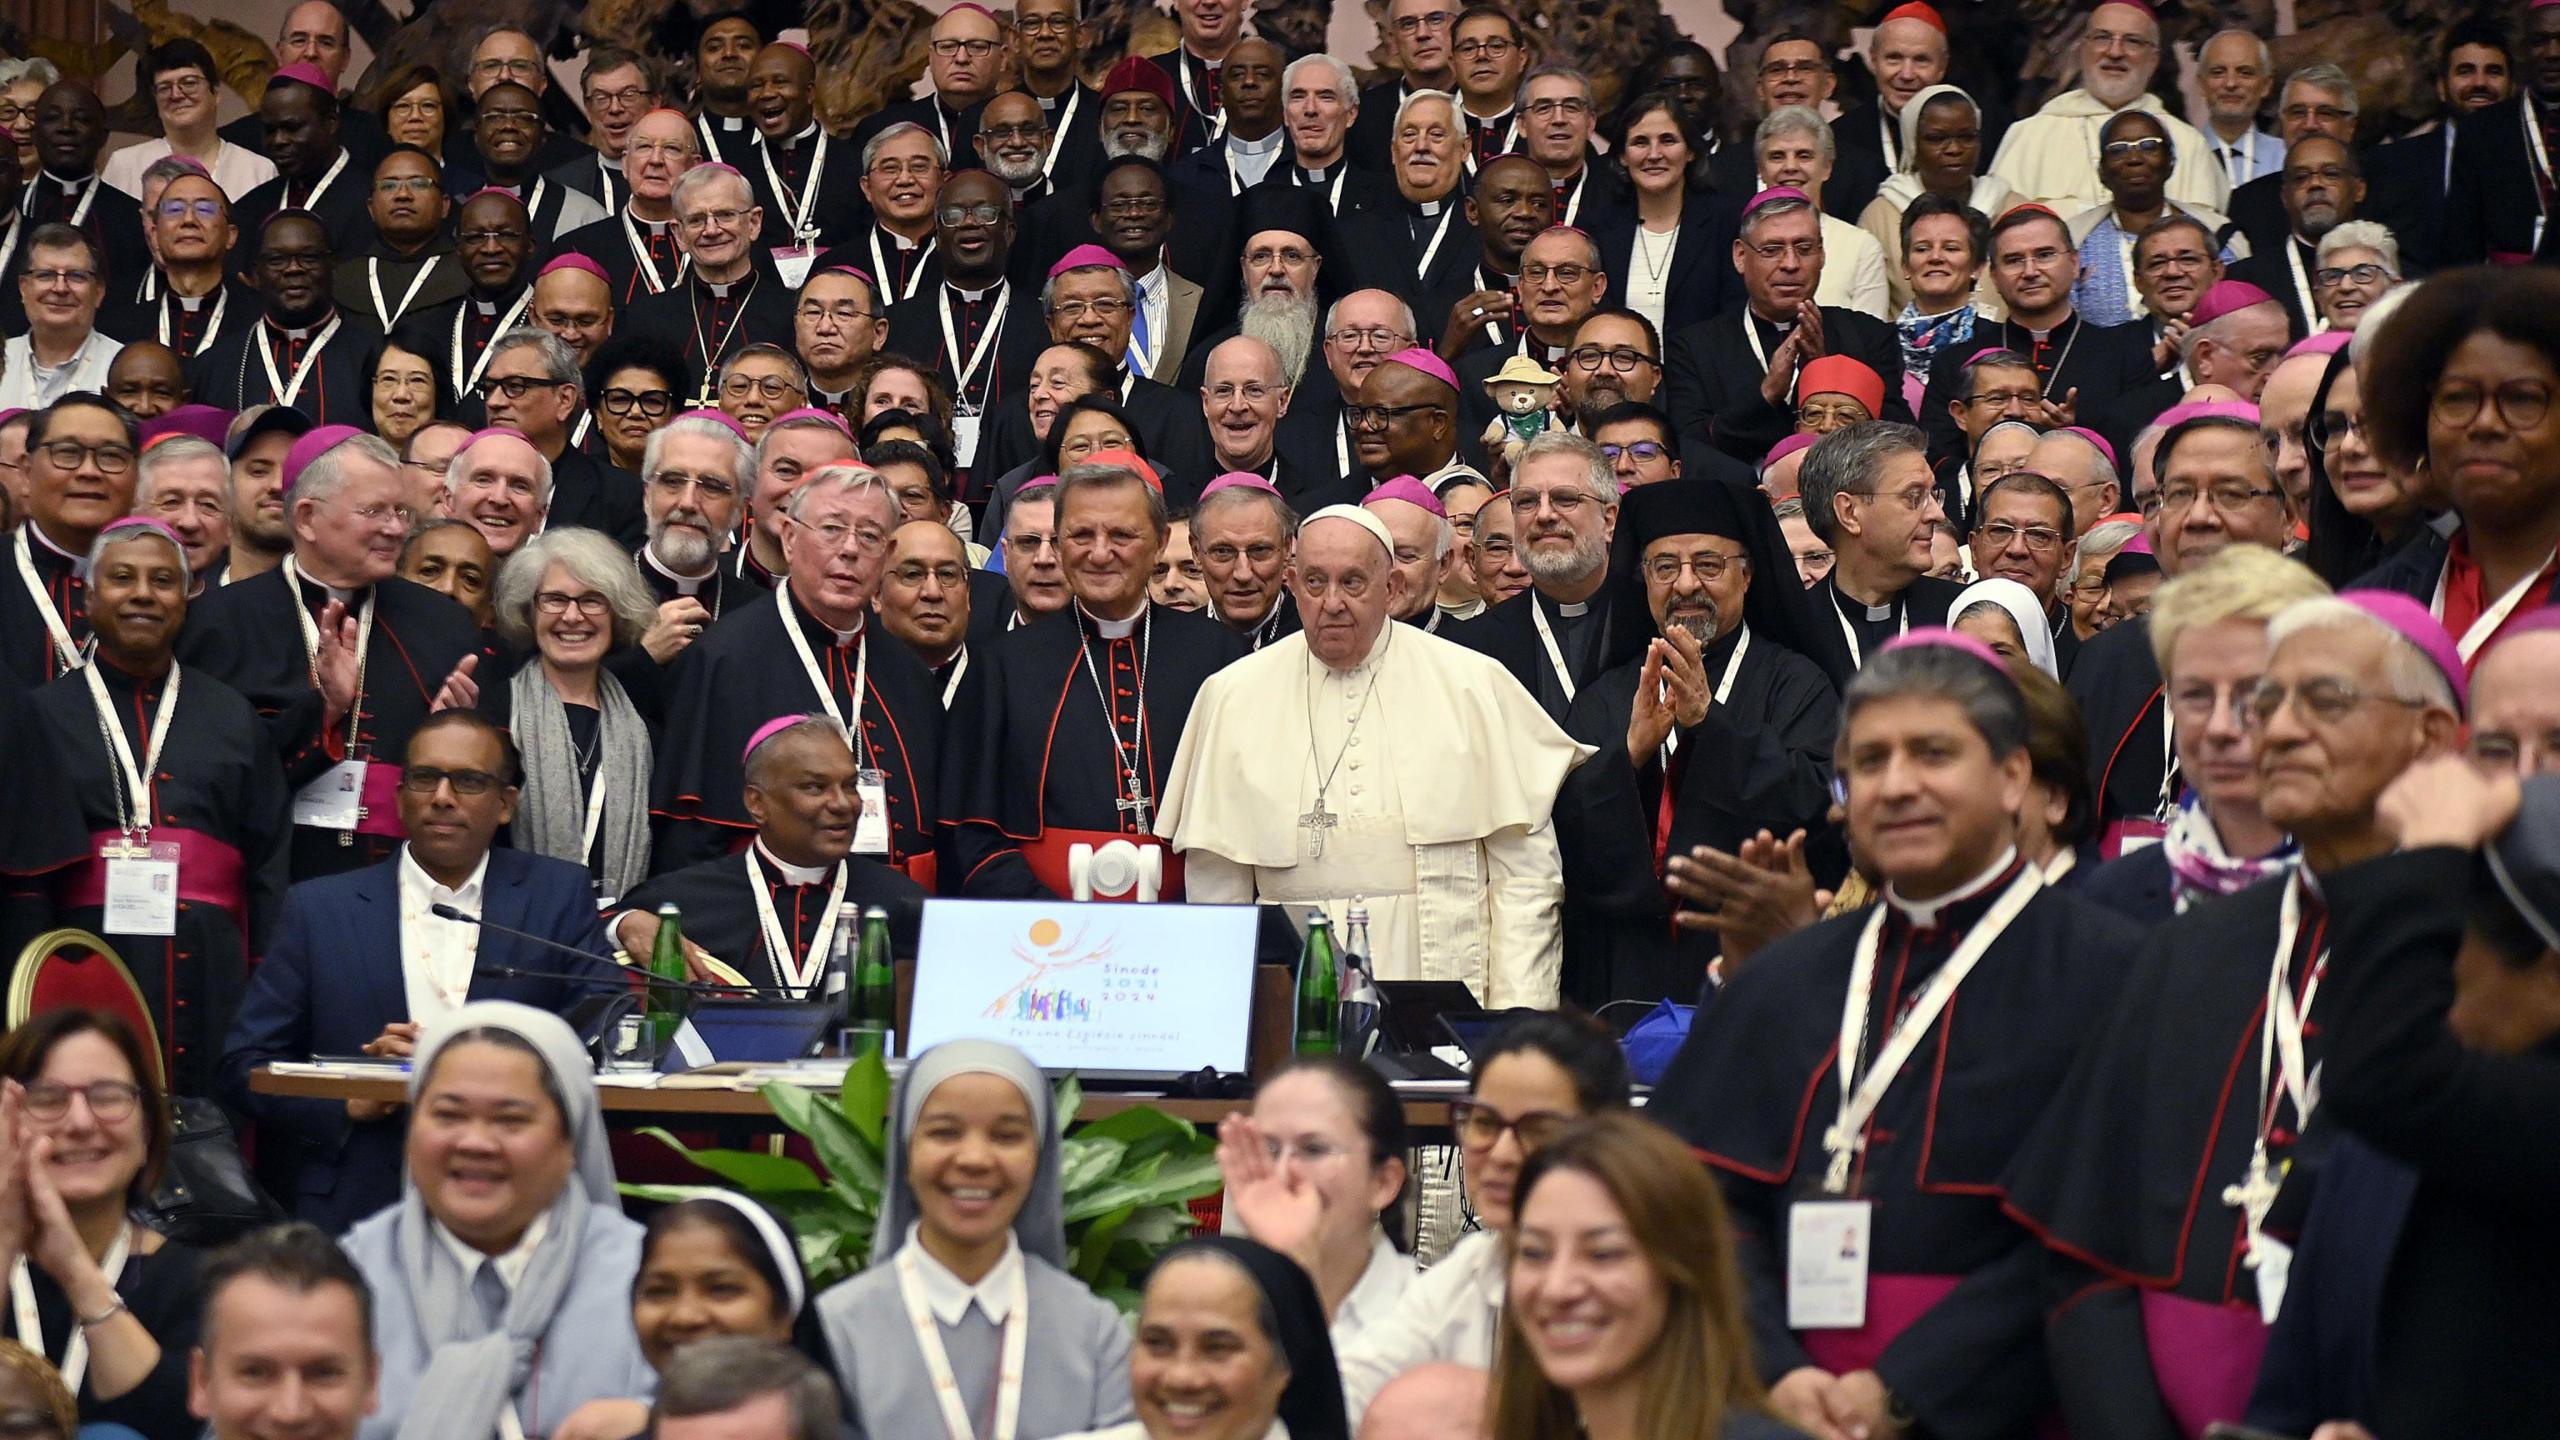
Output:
x=1315 y=822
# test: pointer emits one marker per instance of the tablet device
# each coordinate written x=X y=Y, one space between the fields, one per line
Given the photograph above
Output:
x=764 y=1032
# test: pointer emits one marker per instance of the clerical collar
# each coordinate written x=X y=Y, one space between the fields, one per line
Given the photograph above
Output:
x=685 y=584
x=1781 y=326
x=1267 y=145
x=1573 y=611
x=841 y=637
x=294 y=334
x=1111 y=629
x=79 y=563
x=654 y=227
x=189 y=303
x=791 y=874
x=901 y=241
x=972 y=296
x=1316 y=174
x=610 y=162
x=730 y=122
x=486 y=308
x=719 y=288
x=1428 y=207
x=805 y=132
x=1924 y=913
x=339 y=593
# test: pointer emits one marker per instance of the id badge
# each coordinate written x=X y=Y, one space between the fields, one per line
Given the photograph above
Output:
x=1827 y=1255
x=871 y=831
x=2271 y=1262
x=964 y=439
x=142 y=890
x=332 y=801
x=794 y=262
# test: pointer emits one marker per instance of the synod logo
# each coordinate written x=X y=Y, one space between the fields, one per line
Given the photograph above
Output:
x=1049 y=950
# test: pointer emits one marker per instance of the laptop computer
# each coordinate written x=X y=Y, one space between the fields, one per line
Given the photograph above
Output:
x=1126 y=995
x=756 y=1031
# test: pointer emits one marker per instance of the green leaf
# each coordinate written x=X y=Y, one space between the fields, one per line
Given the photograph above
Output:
x=1065 y=1101
x=1153 y=1227
x=1148 y=1131
x=670 y=1194
x=747 y=1169
x=864 y=1100
x=1084 y=1163
x=841 y=1147
x=1094 y=1249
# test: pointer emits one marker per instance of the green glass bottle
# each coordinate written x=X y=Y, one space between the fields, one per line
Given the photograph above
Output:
x=871 y=992
x=666 y=963
x=1319 y=991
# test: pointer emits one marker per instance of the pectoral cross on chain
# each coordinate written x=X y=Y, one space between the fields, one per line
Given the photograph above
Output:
x=1315 y=822
x=2253 y=1197
x=1136 y=805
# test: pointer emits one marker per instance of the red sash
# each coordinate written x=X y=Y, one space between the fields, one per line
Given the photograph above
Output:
x=210 y=872
x=381 y=813
x=2205 y=1357
x=1047 y=857
x=1893 y=1303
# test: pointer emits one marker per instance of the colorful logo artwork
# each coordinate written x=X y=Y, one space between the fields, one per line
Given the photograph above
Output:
x=1056 y=960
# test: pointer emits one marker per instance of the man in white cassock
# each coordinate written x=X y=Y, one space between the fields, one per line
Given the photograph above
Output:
x=2051 y=157
x=1371 y=761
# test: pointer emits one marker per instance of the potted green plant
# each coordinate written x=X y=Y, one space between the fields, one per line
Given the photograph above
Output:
x=1128 y=1180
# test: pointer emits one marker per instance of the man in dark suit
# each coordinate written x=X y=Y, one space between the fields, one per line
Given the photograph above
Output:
x=2411 y=176
x=1421 y=50
x=361 y=962
x=2318 y=100
x=1906 y=55
x=1869 y=496
x=1734 y=377
x=1554 y=636
x=2323 y=186
x=2497 y=207
x=1422 y=245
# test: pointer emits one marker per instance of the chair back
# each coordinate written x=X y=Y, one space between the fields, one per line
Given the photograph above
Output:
x=73 y=967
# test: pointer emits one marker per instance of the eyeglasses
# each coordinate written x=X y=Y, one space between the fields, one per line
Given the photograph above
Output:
x=511 y=116
x=916 y=572
x=2326 y=114
x=1133 y=205
x=2110 y=40
x=2008 y=399
x=12 y=114
x=2120 y=149
x=1560 y=274
x=1258 y=554
x=424 y=780
x=1850 y=413
x=1480 y=1126
x=2331 y=426
x=1305 y=1152
x=1031 y=132
x=844 y=313
x=183 y=87
x=205 y=209
x=974 y=49
x=2195 y=701
x=1707 y=566
x=1643 y=452
x=48 y=279
x=1997 y=534
x=1497 y=550
x=1252 y=392
x=2175 y=261
x=622 y=99
x=1103 y=309
x=1913 y=498
x=2523 y=403
x=673 y=484
x=1043 y=24
x=1568 y=106
x=2227 y=496
x=500 y=65
x=1619 y=357
x=921 y=166
x=969 y=214
x=109 y=1100
x=651 y=403
x=113 y=457
x=496 y=235
x=1375 y=337
x=1267 y=256
x=834 y=538
x=1361 y=417
x=702 y=220
x=2021 y=260
x=1777 y=250
x=1781 y=69
x=655 y=149
x=1565 y=501
x=1434 y=20
x=556 y=602
x=516 y=387
x=2369 y=273
x=771 y=387
x=2321 y=700
x=398 y=185
x=1490 y=48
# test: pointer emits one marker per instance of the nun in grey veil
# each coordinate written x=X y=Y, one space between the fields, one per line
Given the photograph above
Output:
x=1026 y=1350
x=502 y=1276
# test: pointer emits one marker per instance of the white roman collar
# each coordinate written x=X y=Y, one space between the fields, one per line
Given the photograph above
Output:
x=1267 y=145
x=949 y=1297
x=1111 y=629
x=685 y=584
x=792 y=874
x=1924 y=913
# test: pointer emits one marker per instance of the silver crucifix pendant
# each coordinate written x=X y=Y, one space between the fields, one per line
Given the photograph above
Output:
x=1315 y=822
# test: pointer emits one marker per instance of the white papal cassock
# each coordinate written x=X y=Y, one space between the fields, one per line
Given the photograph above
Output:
x=2051 y=157
x=1438 y=775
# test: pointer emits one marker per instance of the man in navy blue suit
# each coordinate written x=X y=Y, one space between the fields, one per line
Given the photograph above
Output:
x=360 y=963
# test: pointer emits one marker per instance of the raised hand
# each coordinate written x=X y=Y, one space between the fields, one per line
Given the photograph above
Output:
x=334 y=661
x=1649 y=722
x=2052 y=414
x=1270 y=1196
x=460 y=691
x=680 y=622
x=1685 y=671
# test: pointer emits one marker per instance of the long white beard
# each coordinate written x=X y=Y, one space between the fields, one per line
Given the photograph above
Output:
x=1018 y=177
x=1286 y=323
x=1154 y=149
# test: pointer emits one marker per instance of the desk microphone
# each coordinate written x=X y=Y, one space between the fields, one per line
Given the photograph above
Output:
x=619 y=978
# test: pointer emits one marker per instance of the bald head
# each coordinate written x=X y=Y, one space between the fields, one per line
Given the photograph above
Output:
x=1440 y=1401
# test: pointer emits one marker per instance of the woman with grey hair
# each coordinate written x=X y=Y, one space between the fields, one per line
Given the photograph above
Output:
x=573 y=597
x=2357 y=262
x=22 y=83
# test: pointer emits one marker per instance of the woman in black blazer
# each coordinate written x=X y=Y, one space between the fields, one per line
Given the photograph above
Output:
x=1668 y=243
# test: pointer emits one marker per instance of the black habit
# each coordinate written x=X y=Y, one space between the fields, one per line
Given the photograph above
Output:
x=1711 y=376
x=231 y=373
x=720 y=910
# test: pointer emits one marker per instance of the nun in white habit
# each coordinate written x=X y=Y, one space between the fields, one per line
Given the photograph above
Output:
x=967 y=1326
x=502 y=1276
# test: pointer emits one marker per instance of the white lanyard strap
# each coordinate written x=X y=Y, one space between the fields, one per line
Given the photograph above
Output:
x=956 y=1423
x=277 y=385
x=1573 y=202
x=1724 y=686
x=1057 y=132
x=133 y=790
x=1857 y=653
x=311 y=200
x=1859 y=1097
x=373 y=278
x=986 y=338
x=818 y=678
x=64 y=648
x=798 y=972
x=311 y=648
x=648 y=264
x=605 y=174
x=1217 y=118
x=467 y=379
x=1433 y=249
x=2541 y=161
x=1555 y=652
x=75 y=1351
x=2280 y=1043
x=797 y=209
x=2496 y=615
x=915 y=277
x=2311 y=315
x=959 y=667
x=1760 y=353
x=212 y=322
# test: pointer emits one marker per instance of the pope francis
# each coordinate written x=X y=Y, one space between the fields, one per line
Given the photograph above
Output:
x=1369 y=760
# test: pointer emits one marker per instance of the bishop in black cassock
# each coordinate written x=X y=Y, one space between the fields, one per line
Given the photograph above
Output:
x=303 y=350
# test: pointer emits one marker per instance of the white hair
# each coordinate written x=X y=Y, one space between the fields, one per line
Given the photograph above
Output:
x=327 y=474
x=2409 y=671
x=1797 y=120
x=742 y=456
x=175 y=450
x=2371 y=235
x=1419 y=96
x=1342 y=76
x=2266 y=56
x=706 y=174
x=462 y=468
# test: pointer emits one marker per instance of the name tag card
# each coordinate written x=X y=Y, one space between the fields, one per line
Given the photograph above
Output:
x=142 y=888
x=964 y=438
x=871 y=830
x=333 y=801
x=1827 y=1258
x=794 y=262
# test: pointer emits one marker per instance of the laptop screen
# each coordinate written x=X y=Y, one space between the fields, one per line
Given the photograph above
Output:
x=1106 y=990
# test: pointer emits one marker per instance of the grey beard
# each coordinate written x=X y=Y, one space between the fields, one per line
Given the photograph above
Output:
x=1154 y=150
x=1286 y=323
x=1701 y=627
x=1020 y=177
x=685 y=551
x=1589 y=553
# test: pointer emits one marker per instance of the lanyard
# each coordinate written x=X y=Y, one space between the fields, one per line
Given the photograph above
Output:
x=1216 y=118
x=311 y=650
x=915 y=277
x=88 y=194
x=311 y=201
x=2280 y=1041
x=818 y=679
x=1857 y=655
x=1057 y=138
x=798 y=972
x=417 y=282
x=710 y=137
x=17 y=229
x=2540 y=160
x=797 y=210
x=276 y=383
x=1760 y=352
x=951 y=686
x=212 y=322
x=466 y=380
x=1333 y=196
x=1573 y=205
x=718 y=340
x=647 y=263
x=133 y=794
x=986 y=338
x=1555 y=654
x=1341 y=447
x=1433 y=249
x=605 y=173
x=1859 y=1097
x=1891 y=133
x=2311 y=315
x=63 y=646
x=956 y=1423
x=75 y=1351
x=1724 y=688
x=2482 y=630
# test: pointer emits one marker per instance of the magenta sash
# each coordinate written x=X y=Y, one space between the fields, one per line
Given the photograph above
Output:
x=2205 y=1357
x=382 y=802
x=210 y=872
x=1893 y=1303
